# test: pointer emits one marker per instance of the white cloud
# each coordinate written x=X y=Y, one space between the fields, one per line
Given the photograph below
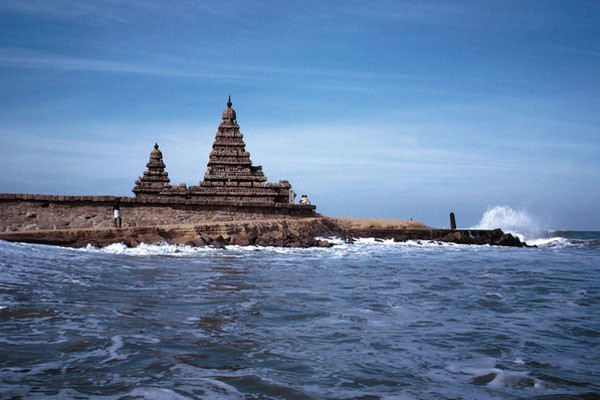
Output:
x=112 y=11
x=325 y=79
x=24 y=58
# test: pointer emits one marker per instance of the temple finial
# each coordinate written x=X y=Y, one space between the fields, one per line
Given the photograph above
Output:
x=229 y=104
x=156 y=146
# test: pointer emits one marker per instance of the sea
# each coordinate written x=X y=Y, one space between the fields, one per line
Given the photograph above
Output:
x=369 y=320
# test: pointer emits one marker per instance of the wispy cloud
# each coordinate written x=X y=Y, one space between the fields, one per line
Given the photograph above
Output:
x=355 y=148
x=113 y=11
x=62 y=9
x=168 y=66
x=415 y=11
x=23 y=58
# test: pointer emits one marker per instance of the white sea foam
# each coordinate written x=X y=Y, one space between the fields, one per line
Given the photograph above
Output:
x=518 y=379
x=155 y=394
x=191 y=320
x=370 y=241
x=146 y=339
x=167 y=249
x=144 y=249
x=559 y=242
x=221 y=388
x=496 y=377
x=497 y=217
x=517 y=222
x=117 y=343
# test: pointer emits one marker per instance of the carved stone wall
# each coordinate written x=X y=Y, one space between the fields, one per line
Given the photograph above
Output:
x=26 y=212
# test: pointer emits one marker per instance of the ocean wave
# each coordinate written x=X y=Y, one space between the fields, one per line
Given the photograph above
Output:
x=146 y=249
x=180 y=250
x=517 y=222
x=529 y=229
x=572 y=239
x=500 y=378
x=550 y=242
x=474 y=321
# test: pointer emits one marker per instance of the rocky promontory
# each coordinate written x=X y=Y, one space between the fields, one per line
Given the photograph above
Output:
x=77 y=221
x=282 y=232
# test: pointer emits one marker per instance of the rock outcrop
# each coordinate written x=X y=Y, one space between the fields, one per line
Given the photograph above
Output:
x=403 y=230
x=281 y=232
x=299 y=232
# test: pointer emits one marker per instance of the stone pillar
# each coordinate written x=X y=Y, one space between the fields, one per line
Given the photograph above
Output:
x=452 y=221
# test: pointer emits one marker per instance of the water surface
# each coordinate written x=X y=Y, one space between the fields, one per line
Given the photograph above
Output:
x=369 y=320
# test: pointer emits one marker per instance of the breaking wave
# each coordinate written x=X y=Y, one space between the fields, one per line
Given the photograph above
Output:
x=517 y=222
x=365 y=245
x=529 y=229
x=145 y=249
x=562 y=239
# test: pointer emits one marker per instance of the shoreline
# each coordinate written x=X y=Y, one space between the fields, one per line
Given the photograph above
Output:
x=77 y=221
x=280 y=232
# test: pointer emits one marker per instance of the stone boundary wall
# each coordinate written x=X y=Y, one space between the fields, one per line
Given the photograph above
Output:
x=27 y=212
x=283 y=232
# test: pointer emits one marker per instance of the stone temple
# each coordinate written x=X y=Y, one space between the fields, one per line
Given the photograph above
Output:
x=230 y=176
x=155 y=180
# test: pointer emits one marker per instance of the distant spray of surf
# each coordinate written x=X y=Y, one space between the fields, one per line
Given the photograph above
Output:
x=517 y=222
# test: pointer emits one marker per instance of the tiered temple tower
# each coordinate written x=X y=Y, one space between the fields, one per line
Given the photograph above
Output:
x=230 y=175
x=155 y=179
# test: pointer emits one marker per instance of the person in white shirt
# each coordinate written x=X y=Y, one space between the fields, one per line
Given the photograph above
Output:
x=117 y=213
x=304 y=199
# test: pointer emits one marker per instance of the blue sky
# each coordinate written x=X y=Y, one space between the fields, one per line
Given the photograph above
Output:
x=388 y=109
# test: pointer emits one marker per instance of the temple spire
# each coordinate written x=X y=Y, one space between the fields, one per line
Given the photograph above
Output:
x=155 y=178
x=229 y=113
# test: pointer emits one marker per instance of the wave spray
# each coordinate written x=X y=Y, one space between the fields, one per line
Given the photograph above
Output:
x=517 y=222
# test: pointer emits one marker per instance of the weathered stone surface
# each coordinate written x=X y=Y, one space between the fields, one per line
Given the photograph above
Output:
x=97 y=211
x=283 y=232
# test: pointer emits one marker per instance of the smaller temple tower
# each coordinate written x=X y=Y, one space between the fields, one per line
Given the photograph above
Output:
x=155 y=179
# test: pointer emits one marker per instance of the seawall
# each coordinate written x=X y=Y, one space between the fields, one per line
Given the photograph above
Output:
x=297 y=232
x=30 y=212
x=401 y=231
x=77 y=221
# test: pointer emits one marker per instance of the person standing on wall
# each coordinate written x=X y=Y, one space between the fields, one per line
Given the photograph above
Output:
x=304 y=199
x=117 y=214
